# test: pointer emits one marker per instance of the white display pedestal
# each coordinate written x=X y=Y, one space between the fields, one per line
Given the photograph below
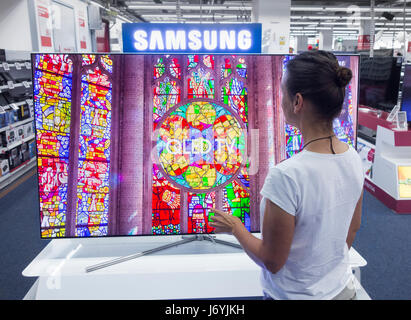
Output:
x=391 y=167
x=196 y=270
x=393 y=155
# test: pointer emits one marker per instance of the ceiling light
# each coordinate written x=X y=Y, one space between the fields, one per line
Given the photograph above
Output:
x=166 y=6
x=191 y=15
x=347 y=9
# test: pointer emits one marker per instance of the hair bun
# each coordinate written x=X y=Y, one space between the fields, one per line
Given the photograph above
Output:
x=344 y=76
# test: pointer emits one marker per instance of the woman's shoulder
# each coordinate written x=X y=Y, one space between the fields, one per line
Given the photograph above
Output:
x=290 y=163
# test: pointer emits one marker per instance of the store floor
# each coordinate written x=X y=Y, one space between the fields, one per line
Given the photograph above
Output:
x=384 y=240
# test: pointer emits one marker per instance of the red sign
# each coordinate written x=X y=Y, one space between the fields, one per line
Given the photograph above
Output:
x=364 y=42
x=45 y=41
x=43 y=11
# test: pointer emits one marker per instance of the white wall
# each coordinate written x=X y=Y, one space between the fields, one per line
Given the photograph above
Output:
x=15 y=33
x=275 y=19
x=116 y=38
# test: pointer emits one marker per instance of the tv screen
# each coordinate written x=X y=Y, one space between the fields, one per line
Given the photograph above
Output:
x=379 y=81
x=132 y=144
x=406 y=92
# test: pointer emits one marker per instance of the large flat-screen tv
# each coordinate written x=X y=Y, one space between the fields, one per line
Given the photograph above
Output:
x=379 y=81
x=133 y=144
x=406 y=92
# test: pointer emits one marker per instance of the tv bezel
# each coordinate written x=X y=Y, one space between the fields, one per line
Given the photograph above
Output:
x=402 y=93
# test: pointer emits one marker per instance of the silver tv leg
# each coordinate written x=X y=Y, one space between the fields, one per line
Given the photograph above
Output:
x=185 y=239
x=136 y=255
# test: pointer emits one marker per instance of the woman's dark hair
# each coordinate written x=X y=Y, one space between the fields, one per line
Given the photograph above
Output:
x=318 y=77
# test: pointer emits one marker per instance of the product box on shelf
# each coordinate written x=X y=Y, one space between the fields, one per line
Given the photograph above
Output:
x=28 y=129
x=14 y=157
x=4 y=167
x=31 y=107
x=24 y=152
x=32 y=148
x=20 y=132
x=23 y=112
x=12 y=116
x=4 y=119
x=9 y=137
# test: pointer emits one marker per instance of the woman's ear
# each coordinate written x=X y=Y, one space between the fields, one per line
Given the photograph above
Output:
x=298 y=103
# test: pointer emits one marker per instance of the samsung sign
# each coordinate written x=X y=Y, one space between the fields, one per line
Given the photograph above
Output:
x=189 y=38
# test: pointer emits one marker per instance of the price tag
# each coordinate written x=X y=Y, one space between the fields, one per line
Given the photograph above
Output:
x=28 y=65
x=10 y=84
x=6 y=66
x=17 y=65
x=26 y=84
x=14 y=106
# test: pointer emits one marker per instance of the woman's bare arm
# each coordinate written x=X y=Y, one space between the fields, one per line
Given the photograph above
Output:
x=355 y=222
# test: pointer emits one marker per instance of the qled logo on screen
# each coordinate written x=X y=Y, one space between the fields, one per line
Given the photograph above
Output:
x=178 y=38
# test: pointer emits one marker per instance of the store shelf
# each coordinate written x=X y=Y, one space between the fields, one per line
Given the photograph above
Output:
x=16 y=85
x=16 y=124
x=17 y=173
x=16 y=144
x=16 y=65
x=17 y=76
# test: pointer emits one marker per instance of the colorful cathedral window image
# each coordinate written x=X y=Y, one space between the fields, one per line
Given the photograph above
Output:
x=53 y=99
x=148 y=144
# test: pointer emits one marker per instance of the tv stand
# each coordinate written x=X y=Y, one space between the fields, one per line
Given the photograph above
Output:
x=185 y=239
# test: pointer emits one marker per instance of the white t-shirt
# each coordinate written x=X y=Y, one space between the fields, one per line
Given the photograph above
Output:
x=321 y=191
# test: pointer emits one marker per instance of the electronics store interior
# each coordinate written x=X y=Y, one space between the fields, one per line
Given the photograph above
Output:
x=242 y=116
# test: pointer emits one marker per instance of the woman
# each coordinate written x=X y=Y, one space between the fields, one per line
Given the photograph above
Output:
x=311 y=205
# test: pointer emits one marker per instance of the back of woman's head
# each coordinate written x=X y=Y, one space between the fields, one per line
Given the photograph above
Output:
x=318 y=77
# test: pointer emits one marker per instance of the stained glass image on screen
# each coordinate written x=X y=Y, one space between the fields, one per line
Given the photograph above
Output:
x=134 y=145
x=344 y=125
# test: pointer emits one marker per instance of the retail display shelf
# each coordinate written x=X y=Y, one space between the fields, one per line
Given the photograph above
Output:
x=15 y=85
x=17 y=116
x=390 y=182
x=16 y=124
x=16 y=144
x=17 y=173
x=17 y=65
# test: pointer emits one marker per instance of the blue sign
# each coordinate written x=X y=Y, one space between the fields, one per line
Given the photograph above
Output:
x=191 y=38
